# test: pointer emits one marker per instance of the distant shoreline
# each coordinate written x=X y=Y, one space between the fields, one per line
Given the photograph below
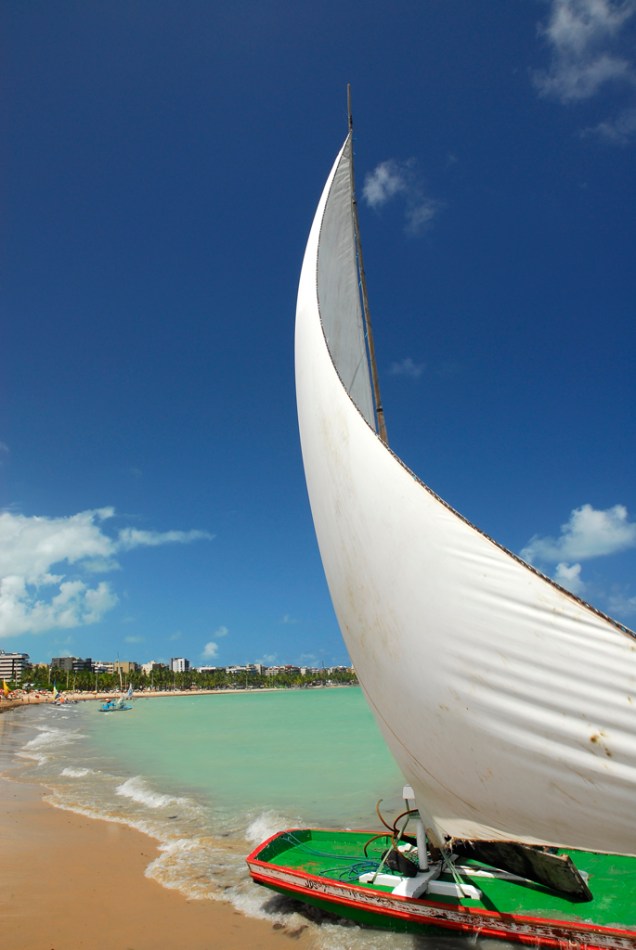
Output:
x=43 y=697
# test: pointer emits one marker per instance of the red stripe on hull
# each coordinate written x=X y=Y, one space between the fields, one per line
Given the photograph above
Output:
x=530 y=930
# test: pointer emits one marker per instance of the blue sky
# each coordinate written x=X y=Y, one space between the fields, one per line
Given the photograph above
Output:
x=162 y=165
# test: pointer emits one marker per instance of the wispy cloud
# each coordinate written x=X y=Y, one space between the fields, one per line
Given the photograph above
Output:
x=588 y=533
x=407 y=367
x=134 y=538
x=47 y=565
x=583 y=37
x=387 y=180
x=622 y=605
x=590 y=52
x=392 y=179
x=619 y=130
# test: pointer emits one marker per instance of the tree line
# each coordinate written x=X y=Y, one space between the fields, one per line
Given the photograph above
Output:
x=164 y=679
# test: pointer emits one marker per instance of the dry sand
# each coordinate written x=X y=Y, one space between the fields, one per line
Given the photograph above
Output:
x=73 y=883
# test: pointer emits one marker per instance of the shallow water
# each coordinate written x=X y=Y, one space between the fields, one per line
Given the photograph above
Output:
x=211 y=776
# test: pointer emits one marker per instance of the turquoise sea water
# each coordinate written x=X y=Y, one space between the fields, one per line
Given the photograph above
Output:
x=210 y=776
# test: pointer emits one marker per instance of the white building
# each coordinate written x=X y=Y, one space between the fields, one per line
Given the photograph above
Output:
x=179 y=664
x=13 y=665
x=248 y=668
x=103 y=666
x=151 y=667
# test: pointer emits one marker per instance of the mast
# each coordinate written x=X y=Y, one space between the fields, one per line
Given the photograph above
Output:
x=379 y=411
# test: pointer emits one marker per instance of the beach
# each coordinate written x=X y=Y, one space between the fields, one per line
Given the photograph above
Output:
x=69 y=882
x=132 y=831
x=21 y=698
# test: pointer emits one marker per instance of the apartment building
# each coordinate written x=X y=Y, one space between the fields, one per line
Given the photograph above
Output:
x=13 y=665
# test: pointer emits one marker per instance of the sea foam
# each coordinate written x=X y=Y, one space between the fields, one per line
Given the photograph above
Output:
x=265 y=825
x=70 y=772
x=140 y=792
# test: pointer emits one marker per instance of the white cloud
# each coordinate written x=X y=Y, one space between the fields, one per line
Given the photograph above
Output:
x=25 y=609
x=385 y=181
x=211 y=649
x=392 y=178
x=407 y=367
x=588 y=533
x=584 y=39
x=34 y=597
x=569 y=576
x=576 y=26
x=574 y=79
x=29 y=546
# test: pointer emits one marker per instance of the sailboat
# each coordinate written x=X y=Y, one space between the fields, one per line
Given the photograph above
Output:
x=119 y=704
x=508 y=702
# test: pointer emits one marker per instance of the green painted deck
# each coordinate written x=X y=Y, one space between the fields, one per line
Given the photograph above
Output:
x=340 y=857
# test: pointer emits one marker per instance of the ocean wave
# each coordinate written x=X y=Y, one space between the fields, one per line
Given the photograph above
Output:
x=71 y=772
x=266 y=824
x=52 y=737
x=46 y=737
x=138 y=790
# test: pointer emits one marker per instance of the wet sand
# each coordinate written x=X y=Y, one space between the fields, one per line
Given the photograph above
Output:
x=73 y=883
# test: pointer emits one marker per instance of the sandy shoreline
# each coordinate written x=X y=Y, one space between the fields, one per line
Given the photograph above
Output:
x=69 y=882
x=35 y=698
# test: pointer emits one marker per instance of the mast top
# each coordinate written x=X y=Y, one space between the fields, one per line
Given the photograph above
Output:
x=349 y=114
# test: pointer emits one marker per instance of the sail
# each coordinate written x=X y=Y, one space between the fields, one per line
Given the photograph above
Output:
x=338 y=290
x=509 y=704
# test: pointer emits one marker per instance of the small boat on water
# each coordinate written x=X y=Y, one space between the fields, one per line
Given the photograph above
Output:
x=115 y=705
x=508 y=702
x=119 y=704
